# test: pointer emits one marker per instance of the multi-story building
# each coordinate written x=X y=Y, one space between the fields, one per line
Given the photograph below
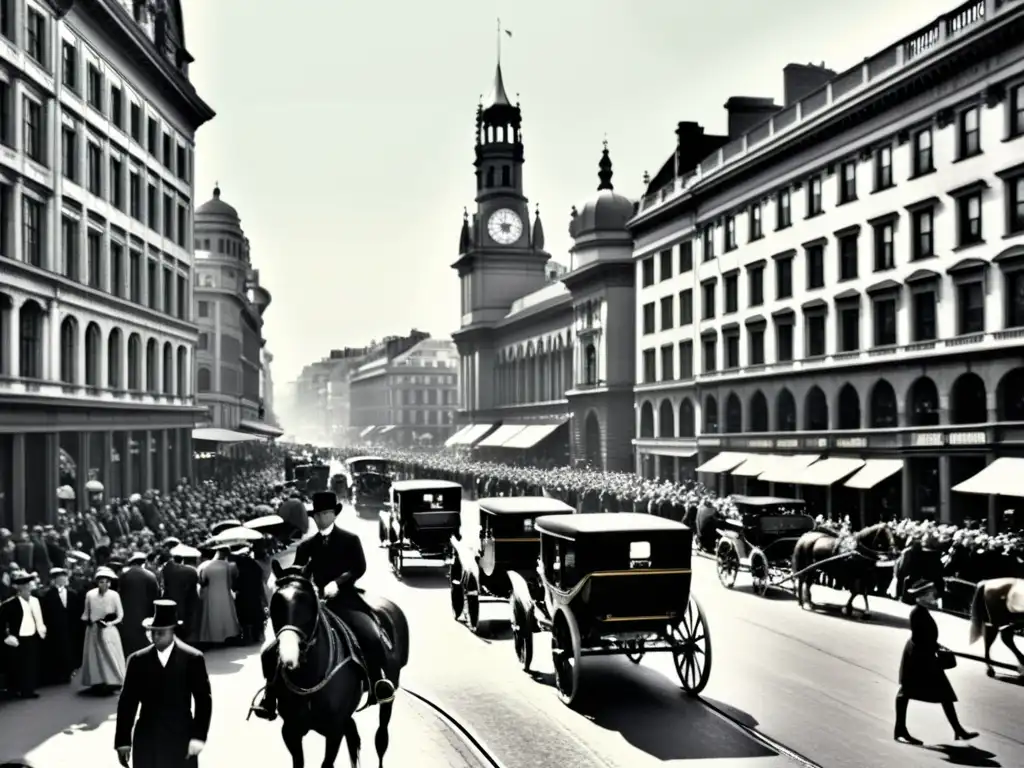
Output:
x=840 y=278
x=96 y=358
x=344 y=363
x=229 y=308
x=406 y=391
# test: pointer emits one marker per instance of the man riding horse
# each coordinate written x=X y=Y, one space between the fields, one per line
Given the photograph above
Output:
x=335 y=561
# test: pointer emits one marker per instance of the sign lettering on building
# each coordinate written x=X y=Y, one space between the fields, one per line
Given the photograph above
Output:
x=852 y=442
x=927 y=440
x=760 y=443
x=967 y=438
x=787 y=444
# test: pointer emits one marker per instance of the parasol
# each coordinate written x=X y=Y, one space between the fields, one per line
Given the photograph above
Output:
x=184 y=550
x=231 y=535
x=66 y=493
x=264 y=509
x=267 y=521
x=224 y=525
x=94 y=486
x=77 y=554
x=135 y=498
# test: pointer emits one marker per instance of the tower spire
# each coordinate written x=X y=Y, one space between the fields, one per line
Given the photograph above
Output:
x=605 y=172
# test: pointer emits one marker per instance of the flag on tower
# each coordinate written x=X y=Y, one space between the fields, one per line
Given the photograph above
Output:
x=507 y=32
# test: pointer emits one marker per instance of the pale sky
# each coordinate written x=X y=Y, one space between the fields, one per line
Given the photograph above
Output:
x=344 y=130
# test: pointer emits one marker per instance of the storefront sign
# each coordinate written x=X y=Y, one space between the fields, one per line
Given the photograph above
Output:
x=710 y=442
x=927 y=440
x=766 y=444
x=939 y=439
x=790 y=445
x=852 y=442
x=967 y=438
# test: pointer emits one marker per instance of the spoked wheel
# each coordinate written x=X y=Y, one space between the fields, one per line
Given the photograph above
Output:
x=522 y=634
x=728 y=562
x=565 y=653
x=759 y=572
x=691 y=652
x=457 y=593
x=635 y=650
x=472 y=605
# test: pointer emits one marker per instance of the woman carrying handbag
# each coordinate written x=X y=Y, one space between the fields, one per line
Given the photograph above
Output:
x=923 y=668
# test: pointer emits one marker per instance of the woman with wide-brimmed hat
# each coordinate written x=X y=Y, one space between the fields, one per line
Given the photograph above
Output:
x=103 y=660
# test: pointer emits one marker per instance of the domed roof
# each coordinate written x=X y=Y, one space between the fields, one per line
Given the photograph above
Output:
x=608 y=212
x=217 y=207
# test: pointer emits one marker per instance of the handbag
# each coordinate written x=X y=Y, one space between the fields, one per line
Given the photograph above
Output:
x=946 y=658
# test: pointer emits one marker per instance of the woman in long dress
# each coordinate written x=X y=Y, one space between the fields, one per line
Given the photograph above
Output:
x=218 y=620
x=103 y=663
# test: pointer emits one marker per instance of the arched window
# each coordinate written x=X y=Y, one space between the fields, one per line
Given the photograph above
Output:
x=168 y=362
x=883 y=411
x=710 y=415
x=733 y=414
x=967 y=401
x=203 y=379
x=134 y=363
x=687 y=419
x=923 y=403
x=590 y=365
x=68 y=350
x=1010 y=394
x=666 y=419
x=30 y=341
x=114 y=377
x=151 y=366
x=647 y=420
x=785 y=411
x=758 y=412
x=849 y=408
x=815 y=411
x=93 y=340
x=182 y=389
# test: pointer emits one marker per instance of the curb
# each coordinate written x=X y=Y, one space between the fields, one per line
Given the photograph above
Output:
x=484 y=755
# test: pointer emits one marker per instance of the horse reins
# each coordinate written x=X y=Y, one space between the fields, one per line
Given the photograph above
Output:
x=336 y=659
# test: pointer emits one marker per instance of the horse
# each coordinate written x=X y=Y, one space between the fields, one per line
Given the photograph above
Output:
x=319 y=680
x=998 y=609
x=856 y=572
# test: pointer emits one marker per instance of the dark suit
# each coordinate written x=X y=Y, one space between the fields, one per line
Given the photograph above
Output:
x=62 y=649
x=23 y=661
x=250 y=599
x=138 y=589
x=163 y=698
x=293 y=511
x=181 y=584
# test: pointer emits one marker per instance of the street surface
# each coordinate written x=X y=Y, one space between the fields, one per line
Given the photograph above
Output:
x=818 y=684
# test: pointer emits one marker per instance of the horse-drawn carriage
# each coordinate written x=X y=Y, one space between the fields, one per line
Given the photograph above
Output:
x=760 y=539
x=368 y=480
x=481 y=569
x=424 y=516
x=611 y=584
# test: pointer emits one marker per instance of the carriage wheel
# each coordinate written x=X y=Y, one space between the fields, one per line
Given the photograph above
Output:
x=759 y=572
x=691 y=651
x=457 y=593
x=472 y=592
x=565 y=653
x=522 y=634
x=635 y=650
x=728 y=562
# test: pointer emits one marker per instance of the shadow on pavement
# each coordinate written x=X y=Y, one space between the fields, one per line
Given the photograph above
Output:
x=777 y=594
x=420 y=575
x=659 y=719
x=835 y=611
x=226 y=660
x=966 y=755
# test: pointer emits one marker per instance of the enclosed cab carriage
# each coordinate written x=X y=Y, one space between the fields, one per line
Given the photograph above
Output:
x=423 y=517
x=369 y=481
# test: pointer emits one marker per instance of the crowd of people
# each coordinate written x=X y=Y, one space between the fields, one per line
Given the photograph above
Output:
x=75 y=593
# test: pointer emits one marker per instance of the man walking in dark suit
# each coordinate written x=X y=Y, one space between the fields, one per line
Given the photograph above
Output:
x=138 y=589
x=62 y=613
x=181 y=584
x=161 y=684
x=335 y=561
x=23 y=631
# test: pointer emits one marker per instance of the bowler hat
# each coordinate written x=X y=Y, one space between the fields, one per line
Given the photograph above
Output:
x=23 y=577
x=165 y=615
x=325 y=501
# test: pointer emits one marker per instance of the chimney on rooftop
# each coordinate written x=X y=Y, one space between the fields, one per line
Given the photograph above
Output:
x=800 y=80
x=747 y=112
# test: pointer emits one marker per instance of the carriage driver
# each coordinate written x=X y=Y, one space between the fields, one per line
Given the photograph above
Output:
x=335 y=561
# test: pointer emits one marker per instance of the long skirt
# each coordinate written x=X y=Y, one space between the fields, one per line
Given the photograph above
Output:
x=102 y=657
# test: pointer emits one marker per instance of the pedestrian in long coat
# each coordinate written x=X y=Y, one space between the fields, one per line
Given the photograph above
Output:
x=138 y=589
x=249 y=596
x=181 y=584
x=162 y=684
x=923 y=669
x=62 y=613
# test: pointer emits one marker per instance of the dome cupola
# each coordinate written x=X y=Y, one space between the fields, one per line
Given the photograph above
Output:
x=608 y=212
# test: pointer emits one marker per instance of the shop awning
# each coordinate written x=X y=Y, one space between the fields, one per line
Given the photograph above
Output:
x=788 y=468
x=829 y=472
x=260 y=428
x=670 y=452
x=874 y=472
x=1000 y=478
x=530 y=436
x=367 y=430
x=385 y=430
x=217 y=435
x=500 y=435
x=723 y=462
x=454 y=439
x=473 y=434
x=755 y=465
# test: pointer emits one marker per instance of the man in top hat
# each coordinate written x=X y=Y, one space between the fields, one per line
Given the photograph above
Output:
x=138 y=588
x=335 y=561
x=62 y=612
x=23 y=630
x=181 y=584
x=161 y=684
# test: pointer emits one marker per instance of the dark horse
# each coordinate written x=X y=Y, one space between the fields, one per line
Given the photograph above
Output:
x=856 y=572
x=998 y=609
x=319 y=680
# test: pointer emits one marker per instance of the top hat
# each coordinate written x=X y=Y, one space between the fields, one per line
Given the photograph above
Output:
x=325 y=501
x=165 y=615
x=23 y=577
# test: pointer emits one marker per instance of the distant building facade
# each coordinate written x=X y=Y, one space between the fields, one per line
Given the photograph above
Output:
x=229 y=306
x=267 y=388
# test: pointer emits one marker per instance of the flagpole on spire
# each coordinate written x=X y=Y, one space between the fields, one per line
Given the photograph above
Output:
x=499 y=42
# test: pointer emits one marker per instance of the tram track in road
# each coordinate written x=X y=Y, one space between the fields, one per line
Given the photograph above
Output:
x=766 y=741
x=481 y=751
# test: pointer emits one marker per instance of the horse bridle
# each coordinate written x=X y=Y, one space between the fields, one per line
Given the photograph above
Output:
x=306 y=641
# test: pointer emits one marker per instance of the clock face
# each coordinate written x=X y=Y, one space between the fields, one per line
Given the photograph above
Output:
x=505 y=227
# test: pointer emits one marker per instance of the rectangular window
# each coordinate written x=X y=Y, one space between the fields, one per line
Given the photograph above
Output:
x=183 y=298
x=34 y=130
x=708 y=301
x=848 y=257
x=116 y=107
x=815 y=266
x=709 y=243
x=32 y=234
x=732 y=293
x=135 y=122
x=755 y=339
x=69 y=66
x=849 y=329
x=784 y=341
x=814 y=196
x=650 y=362
x=94 y=165
x=667 y=312
x=35 y=36
x=152 y=276
x=924 y=305
x=167 y=151
x=884 y=313
x=647 y=271
x=1013 y=291
x=94 y=246
x=135 y=195
x=686 y=307
x=182 y=233
x=69 y=247
x=152 y=136
x=969 y=133
x=168 y=217
x=755 y=285
x=135 y=277
x=665 y=265
x=685 y=257
x=784 y=278
x=116 y=183
x=94 y=87
x=709 y=347
x=848 y=182
x=922 y=223
x=117 y=269
x=667 y=372
x=923 y=161
x=69 y=153
x=204 y=343
x=783 y=214
x=883 y=168
x=885 y=257
x=168 y=291
x=181 y=163
x=754 y=217
x=815 y=334
x=685 y=360
x=730 y=233
x=968 y=211
x=1016 y=105
x=970 y=308
x=732 y=349
x=152 y=207
x=649 y=322
x=1015 y=206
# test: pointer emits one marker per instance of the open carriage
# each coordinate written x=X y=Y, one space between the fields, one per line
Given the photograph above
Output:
x=422 y=518
x=482 y=569
x=368 y=482
x=760 y=540
x=612 y=584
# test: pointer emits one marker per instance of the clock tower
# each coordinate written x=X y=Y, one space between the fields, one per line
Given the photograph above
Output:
x=501 y=258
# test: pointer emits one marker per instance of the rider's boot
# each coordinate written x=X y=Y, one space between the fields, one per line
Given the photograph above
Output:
x=382 y=689
x=266 y=708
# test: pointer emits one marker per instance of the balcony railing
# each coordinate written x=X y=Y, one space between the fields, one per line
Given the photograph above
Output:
x=80 y=392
